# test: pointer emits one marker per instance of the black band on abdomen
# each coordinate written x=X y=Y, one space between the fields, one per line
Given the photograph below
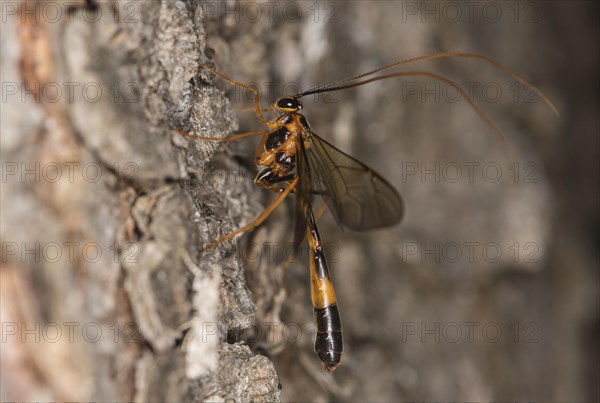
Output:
x=328 y=341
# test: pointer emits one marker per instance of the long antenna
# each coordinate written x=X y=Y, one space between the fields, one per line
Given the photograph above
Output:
x=336 y=85
x=505 y=146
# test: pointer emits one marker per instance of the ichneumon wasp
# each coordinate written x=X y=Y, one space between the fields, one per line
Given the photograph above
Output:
x=294 y=159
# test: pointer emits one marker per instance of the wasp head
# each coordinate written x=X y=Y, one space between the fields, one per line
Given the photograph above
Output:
x=288 y=104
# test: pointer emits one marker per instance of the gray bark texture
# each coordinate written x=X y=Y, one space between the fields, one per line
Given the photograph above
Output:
x=487 y=291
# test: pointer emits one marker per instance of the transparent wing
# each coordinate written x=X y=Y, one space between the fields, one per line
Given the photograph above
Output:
x=358 y=197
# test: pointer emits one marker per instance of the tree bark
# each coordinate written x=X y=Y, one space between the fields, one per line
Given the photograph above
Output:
x=133 y=191
x=486 y=291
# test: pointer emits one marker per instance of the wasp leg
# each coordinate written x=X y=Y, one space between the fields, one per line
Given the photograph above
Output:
x=263 y=180
x=261 y=146
x=258 y=220
x=257 y=108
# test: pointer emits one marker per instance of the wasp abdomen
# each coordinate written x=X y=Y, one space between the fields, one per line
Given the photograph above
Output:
x=328 y=341
x=328 y=325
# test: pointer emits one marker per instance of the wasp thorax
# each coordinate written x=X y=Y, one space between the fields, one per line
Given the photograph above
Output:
x=288 y=104
x=286 y=161
x=277 y=138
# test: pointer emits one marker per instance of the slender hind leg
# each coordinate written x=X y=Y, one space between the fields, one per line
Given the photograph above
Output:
x=262 y=217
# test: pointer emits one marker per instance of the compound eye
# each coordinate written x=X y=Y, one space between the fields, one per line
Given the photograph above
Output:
x=289 y=105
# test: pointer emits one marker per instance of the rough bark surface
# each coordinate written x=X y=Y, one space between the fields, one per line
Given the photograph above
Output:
x=105 y=295
x=160 y=312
